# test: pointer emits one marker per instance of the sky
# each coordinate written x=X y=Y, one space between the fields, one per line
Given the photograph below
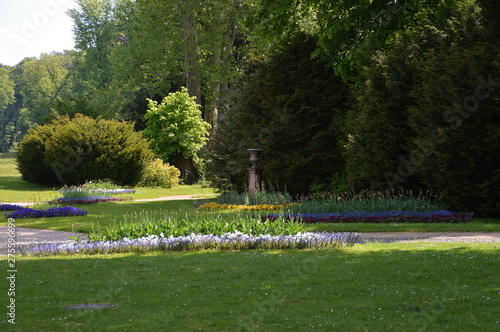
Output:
x=29 y=28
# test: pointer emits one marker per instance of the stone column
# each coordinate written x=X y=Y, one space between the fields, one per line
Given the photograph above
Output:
x=254 y=172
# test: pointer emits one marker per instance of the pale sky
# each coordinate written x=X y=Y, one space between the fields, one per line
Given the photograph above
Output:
x=29 y=28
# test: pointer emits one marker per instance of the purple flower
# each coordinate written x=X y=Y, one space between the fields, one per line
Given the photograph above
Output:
x=85 y=200
x=9 y=207
x=376 y=217
x=66 y=211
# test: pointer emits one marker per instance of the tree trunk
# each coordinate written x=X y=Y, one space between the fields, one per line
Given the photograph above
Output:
x=191 y=52
x=189 y=173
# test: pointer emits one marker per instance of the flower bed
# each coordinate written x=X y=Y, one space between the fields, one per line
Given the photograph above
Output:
x=260 y=207
x=9 y=207
x=66 y=211
x=85 y=200
x=228 y=241
x=92 y=189
x=376 y=217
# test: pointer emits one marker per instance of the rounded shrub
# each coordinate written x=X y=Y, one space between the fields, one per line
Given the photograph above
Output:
x=159 y=174
x=31 y=153
x=74 y=151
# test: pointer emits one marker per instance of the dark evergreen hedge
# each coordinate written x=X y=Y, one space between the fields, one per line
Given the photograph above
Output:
x=73 y=151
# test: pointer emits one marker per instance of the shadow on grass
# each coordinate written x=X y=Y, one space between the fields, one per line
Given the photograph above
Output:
x=16 y=183
x=366 y=287
x=107 y=214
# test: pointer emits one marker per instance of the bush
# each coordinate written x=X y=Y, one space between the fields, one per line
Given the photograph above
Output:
x=159 y=174
x=74 y=151
x=31 y=153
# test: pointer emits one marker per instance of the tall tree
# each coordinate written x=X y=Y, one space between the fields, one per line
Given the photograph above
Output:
x=7 y=119
x=345 y=27
x=46 y=85
x=97 y=93
x=194 y=38
x=191 y=51
x=291 y=106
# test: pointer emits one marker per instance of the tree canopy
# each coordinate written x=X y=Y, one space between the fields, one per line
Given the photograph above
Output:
x=340 y=94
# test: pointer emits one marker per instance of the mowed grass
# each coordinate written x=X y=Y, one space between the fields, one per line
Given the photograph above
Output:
x=369 y=287
x=14 y=189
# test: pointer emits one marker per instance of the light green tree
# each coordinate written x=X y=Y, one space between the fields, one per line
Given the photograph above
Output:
x=175 y=125
x=176 y=130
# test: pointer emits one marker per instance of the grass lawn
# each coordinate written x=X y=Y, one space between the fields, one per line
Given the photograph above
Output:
x=14 y=189
x=370 y=287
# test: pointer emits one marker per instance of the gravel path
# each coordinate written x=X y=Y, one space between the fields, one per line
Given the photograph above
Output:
x=490 y=237
x=26 y=236
x=175 y=198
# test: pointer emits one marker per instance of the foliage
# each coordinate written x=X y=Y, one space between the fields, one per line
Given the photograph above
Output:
x=291 y=106
x=97 y=92
x=46 y=85
x=458 y=138
x=241 y=207
x=74 y=151
x=104 y=185
x=369 y=201
x=341 y=92
x=430 y=99
x=6 y=89
x=66 y=211
x=377 y=126
x=175 y=126
x=84 y=200
x=376 y=217
x=7 y=98
x=159 y=174
x=346 y=27
x=93 y=188
x=30 y=157
x=259 y=197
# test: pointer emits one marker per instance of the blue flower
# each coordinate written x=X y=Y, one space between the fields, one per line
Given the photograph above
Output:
x=9 y=207
x=410 y=216
x=66 y=211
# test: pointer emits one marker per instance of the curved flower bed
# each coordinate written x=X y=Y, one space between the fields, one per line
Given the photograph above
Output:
x=9 y=207
x=260 y=207
x=115 y=191
x=85 y=200
x=228 y=241
x=66 y=211
x=376 y=217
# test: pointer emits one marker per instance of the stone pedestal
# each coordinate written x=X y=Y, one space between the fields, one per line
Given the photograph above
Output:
x=254 y=180
x=254 y=172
